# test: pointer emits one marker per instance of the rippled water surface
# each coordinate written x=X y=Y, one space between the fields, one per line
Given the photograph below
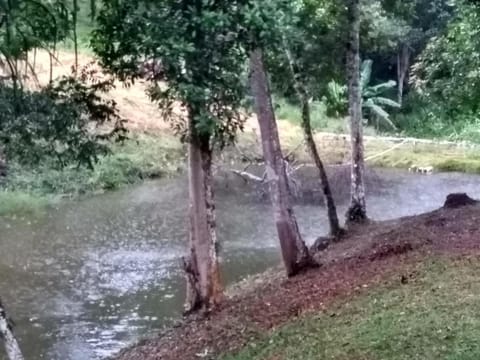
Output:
x=93 y=276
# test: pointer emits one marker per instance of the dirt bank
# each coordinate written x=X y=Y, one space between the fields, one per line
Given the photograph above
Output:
x=368 y=256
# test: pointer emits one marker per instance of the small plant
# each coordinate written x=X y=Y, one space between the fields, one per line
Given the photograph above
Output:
x=374 y=102
x=336 y=99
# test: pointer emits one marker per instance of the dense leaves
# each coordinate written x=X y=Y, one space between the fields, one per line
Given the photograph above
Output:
x=449 y=69
x=28 y=24
x=375 y=100
x=59 y=124
x=193 y=46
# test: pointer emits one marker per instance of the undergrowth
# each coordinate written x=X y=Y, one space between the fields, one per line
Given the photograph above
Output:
x=139 y=158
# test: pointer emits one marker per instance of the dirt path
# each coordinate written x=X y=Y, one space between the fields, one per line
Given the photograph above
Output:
x=368 y=256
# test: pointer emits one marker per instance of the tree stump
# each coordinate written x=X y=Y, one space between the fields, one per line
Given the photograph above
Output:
x=458 y=200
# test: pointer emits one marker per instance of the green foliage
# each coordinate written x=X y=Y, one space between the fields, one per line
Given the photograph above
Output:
x=431 y=317
x=314 y=33
x=285 y=110
x=374 y=103
x=59 y=124
x=29 y=24
x=423 y=117
x=26 y=24
x=194 y=46
x=336 y=99
x=381 y=31
x=28 y=188
x=448 y=70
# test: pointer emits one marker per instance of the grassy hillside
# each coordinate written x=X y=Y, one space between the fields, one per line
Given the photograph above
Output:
x=432 y=315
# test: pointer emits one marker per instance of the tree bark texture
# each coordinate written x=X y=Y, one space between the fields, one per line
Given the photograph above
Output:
x=357 y=211
x=294 y=251
x=403 y=65
x=6 y=334
x=204 y=288
x=75 y=37
x=303 y=98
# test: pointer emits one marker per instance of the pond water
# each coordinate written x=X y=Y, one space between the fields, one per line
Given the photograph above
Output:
x=93 y=276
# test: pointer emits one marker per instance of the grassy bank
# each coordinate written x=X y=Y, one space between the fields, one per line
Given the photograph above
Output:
x=139 y=158
x=152 y=156
x=433 y=316
x=379 y=151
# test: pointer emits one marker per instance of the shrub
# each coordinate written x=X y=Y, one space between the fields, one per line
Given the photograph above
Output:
x=59 y=124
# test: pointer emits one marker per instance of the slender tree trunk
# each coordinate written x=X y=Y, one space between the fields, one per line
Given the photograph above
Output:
x=34 y=60
x=3 y=163
x=25 y=70
x=11 y=345
x=403 y=64
x=303 y=98
x=357 y=211
x=50 y=76
x=204 y=288
x=75 y=38
x=294 y=251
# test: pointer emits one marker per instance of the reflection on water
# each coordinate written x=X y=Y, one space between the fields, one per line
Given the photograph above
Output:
x=91 y=277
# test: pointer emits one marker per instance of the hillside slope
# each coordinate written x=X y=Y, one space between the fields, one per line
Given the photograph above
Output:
x=409 y=283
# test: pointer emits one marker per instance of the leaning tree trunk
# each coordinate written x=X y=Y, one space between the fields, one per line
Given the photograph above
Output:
x=403 y=64
x=201 y=268
x=302 y=94
x=294 y=251
x=11 y=345
x=357 y=211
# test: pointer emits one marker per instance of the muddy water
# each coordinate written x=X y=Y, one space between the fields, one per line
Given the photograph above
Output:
x=88 y=278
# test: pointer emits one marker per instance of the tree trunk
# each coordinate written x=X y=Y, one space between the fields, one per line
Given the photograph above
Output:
x=294 y=251
x=357 y=211
x=3 y=163
x=11 y=345
x=34 y=61
x=50 y=76
x=403 y=64
x=302 y=94
x=204 y=288
x=75 y=37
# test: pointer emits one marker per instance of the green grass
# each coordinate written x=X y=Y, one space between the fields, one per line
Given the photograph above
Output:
x=142 y=157
x=20 y=203
x=434 y=316
x=431 y=119
x=442 y=158
x=285 y=110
